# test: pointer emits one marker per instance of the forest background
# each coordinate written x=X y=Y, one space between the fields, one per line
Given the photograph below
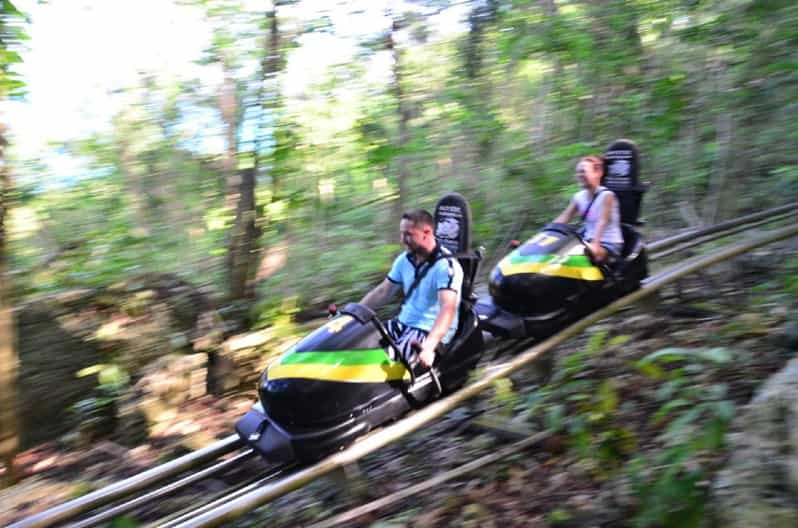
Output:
x=282 y=196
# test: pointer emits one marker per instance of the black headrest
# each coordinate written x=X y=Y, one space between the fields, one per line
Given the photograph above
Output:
x=453 y=223
x=621 y=176
x=622 y=167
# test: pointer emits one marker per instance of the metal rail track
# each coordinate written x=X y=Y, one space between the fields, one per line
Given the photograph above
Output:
x=705 y=234
x=219 y=499
x=245 y=496
x=130 y=485
x=163 y=491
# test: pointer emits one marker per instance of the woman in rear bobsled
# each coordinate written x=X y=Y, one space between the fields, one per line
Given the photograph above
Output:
x=348 y=377
x=561 y=274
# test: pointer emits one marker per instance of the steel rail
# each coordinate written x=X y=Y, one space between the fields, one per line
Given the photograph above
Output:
x=163 y=491
x=189 y=512
x=703 y=239
x=769 y=215
x=127 y=487
x=220 y=498
x=346 y=518
x=245 y=503
x=175 y=519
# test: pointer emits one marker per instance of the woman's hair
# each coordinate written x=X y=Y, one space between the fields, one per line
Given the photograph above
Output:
x=596 y=161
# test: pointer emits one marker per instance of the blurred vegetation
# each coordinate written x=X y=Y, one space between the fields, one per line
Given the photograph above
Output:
x=665 y=440
x=498 y=111
x=12 y=34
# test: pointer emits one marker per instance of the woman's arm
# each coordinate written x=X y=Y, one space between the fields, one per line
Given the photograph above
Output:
x=599 y=253
x=567 y=214
x=604 y=217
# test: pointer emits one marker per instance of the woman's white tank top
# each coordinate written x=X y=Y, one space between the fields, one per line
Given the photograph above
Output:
x=612 y=232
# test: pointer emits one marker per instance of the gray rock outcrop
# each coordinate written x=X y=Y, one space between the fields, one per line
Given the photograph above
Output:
x=132 y=324
x=759 y=484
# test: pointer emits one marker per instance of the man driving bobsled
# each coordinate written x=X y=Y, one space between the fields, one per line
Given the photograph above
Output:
x=432 y=286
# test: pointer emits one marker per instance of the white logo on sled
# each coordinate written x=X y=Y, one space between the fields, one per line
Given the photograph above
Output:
x=449 y=228
x=619 y=168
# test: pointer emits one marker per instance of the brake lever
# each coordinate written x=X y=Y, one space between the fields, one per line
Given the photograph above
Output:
x=436 y=380
x=605 y=270
x=408 y=366
x=415 y=346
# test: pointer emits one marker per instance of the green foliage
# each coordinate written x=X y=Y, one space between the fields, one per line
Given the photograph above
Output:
x=280 y=316
x=585 y=409
x=97 y=232
x=670 y=485
x=691 y=416
x=786 y=180
x=596 y=342
x=96 y=413
x=11 y=35
x=80 y=489
x=335 y=267
x=124 y=522
x=504 y=396
x=674 y=355
x=559 y=517
x=790 y=277
x=668 y=490
x=111 y=378
x=544 y=83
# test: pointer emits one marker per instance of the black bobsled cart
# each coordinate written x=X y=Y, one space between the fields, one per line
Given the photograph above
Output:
x=550 y=281
x=343 y=379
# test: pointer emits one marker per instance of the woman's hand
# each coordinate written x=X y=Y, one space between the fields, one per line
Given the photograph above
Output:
x=597 y=252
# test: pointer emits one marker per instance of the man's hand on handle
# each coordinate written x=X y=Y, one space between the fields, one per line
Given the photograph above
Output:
x=426 y=353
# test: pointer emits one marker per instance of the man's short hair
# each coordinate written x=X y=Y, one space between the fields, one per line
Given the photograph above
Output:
x=419 y=217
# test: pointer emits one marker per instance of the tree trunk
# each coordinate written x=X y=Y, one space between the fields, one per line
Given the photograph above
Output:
x=480 y=88
x=9 y=362
x=482 y=13
x=403 y=113
x=228 y=106
x=718 y=184
x=540 y=116
x=161 y=175
x=243 y=255
x=269 y=93
x=542 y=107
x=137 y=187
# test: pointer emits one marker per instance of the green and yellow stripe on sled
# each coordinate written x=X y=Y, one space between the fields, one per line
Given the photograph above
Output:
x=567 y=266
x=354 y=366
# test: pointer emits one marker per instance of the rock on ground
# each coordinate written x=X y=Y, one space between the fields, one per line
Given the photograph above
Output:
x=759 y=484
